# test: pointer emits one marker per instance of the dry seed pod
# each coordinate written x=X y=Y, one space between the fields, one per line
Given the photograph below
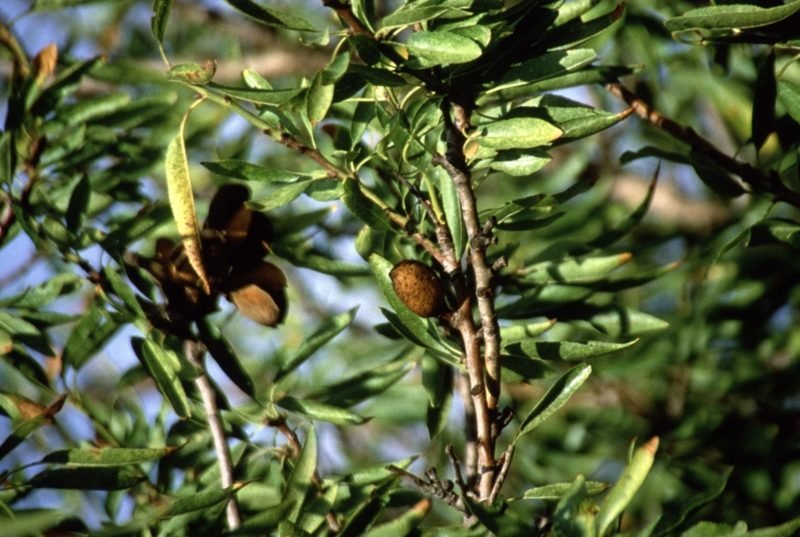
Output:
x=418 y=287
x=259 y=293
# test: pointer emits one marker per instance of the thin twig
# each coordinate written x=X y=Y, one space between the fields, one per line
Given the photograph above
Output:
x=10 y=41
x=751 y=175
x=442 y=489
x=194 y=354
x=503 y=473
x=471 y=433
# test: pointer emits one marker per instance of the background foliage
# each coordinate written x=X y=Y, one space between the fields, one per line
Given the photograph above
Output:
x=628 y=307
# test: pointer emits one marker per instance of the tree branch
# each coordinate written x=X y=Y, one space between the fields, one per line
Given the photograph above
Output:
x=194 y=353
x=751 y=175
x=479 y=238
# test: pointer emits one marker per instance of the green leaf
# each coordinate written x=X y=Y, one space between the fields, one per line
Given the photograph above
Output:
x=442 y=48
x=311 y=344
x=516 y=133
x=613 y=235
x=617 y=321
x=181 y=201
x=300 y=482
x=272 y=17
x=38 y=522
x=578 y=31
x=789 y=96
x=41 y=295
x=162 y=367
x=78 y=204
x=410 y=14
x=225 y=356
x=272 y=97
x=574 y=515
x=787 y=529
x=158 y=24
x=107 y=456
x=452 y=209
x=318 y=98
x=123 y=291
x=363 y=207
x=555 y=491
x=321 y=412
x=715 y=176
x=673 y=519
x=362 y=386
x=556 y=397
x=284 y=194
x=205 y=500
x=403 y=524
x=568 y=350
x=94 y=108
x=517 y=333
x=519 y=163
x=247 y=171
x=437 y=378
x=574 y=270
x=88 y=336
x=627 y=485
x=31 y=425
x=88 y=478
x=734 y=16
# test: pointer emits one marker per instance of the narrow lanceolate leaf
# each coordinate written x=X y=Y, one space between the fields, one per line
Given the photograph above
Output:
x=517 y=133
x=201 y=500
x=555 y=491
x=556 y=397
x=437 y=48
x=87 y=478
x=88 y=336
x=568 y=350
x=272 y=17
x=403 y=524
x=321 y=412
x=27 y=427
x=111 y=456
x=158 y=24
x=35 y=522
x=162 y=369
x=78 y=204
x=181 y=201
x=629 y=482
x=324 y=333
x=574 y=516
x=302 y=474
x=738 y=16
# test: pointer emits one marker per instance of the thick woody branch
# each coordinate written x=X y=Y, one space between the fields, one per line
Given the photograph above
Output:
x=479 y=238
x=751 y=175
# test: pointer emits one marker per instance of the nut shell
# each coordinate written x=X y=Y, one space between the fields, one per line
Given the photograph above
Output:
x=418 y=287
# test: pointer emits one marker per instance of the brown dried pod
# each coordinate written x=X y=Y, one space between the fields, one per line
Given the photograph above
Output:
x=259 y=292
x=234 y=234
x=418 y=287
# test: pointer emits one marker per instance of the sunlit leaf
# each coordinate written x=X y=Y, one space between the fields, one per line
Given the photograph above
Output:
x=627 y=485
x=556 y=397
x=181 y=201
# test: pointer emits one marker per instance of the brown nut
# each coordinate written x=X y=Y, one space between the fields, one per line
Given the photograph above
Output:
x=259 y=293
x=418 y=287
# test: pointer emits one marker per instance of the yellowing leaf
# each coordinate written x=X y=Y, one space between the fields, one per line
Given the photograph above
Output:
x=181 y=201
